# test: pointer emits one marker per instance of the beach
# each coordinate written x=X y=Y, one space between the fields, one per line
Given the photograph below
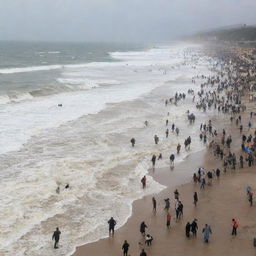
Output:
x=75 y=129
x=86 y=140
x=218 y=204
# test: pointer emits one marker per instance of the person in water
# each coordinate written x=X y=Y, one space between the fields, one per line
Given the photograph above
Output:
x=143 y=181
x=111 y=224
x=133 y=142
x=153 y=159
x=56 y=237
x=172 y=157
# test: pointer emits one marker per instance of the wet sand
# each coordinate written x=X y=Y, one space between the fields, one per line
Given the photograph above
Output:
x=218 y=204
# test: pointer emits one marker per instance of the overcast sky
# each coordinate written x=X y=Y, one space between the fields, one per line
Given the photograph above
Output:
x=117 y=20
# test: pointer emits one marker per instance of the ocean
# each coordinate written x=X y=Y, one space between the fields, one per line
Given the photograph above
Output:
x=68 y=112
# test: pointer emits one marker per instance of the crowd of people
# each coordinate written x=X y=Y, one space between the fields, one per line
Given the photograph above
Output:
x=224 y=92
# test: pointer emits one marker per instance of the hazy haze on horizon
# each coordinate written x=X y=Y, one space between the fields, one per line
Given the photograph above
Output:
x=117 y=20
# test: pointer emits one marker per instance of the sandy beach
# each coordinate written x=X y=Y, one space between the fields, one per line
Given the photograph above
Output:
x=218 y=205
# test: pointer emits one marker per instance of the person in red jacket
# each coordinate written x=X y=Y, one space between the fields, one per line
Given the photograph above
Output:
x=234 y=227
x=168 y=220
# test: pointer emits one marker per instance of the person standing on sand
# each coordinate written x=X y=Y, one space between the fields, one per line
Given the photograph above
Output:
x=187 y=229
x=234 y=227
x=56 y=237
x=180 y=210
x=194 y=227
x=149 y=240
x=250 y=197
x=143 y=253
x=111 y=224
x=143 y=227
x=143 y=181
x=154 y=204
x=168 y=220
x=195 y=198
x=218 y=172
x=125 y=248
x=207 y=232
x=241 y=160
x=202 y=183
x=176 y=194
x=167 y=204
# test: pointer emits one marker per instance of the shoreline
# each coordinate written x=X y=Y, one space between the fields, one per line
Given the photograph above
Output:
x=158 y=177
x=112 y=246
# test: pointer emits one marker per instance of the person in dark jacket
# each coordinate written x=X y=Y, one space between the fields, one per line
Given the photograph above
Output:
x=143 y=253
x=56 y=237
x=195 y=198
x=187 y=229
x=194 y=227
x=154 y=204
x=111 y=224
x=153 y=160
x=143 y=227
x=125 y=248
x=133 y=142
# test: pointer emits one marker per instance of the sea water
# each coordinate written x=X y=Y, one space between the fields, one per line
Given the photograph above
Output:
x=107 y=92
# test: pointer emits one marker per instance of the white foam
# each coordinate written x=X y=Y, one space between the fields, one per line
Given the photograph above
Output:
x=29 y=69
x=92 y=153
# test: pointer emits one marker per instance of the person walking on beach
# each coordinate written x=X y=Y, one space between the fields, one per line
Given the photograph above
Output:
x=143 y=181
x=176 y=194
x=143 y=227
x=202 y=183
x=168 y=220
x=194 y=227
x=56 y=237
x=241 y=160
x=187 y=230
x=195 y=198
x=250 y=197
x=125 y=248
x=143 y=253
x=207 y=232
x=154 y=204
x=148 y=239
x=167 y=204
x=218 y=172
x=111 y=224
x=180 y=210
x=234 y=227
